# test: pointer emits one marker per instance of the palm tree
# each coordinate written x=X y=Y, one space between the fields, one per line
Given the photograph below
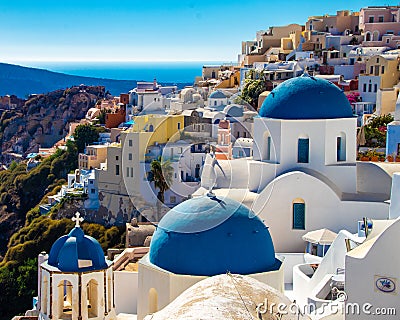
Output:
x=161 y=173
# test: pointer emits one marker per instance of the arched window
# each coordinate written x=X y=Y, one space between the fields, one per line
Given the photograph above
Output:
x=65 y=299
x=92 y=299
x=266 y=148
x=268 y=155
x=368 y=36
x=151 y=128
x=153 y=301
x=303 y=150
x=341 y=147
x=299 y=214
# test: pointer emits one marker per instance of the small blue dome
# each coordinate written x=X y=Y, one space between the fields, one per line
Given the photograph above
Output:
x=77 y=252
x=306 y=97
x=217 y=95
x=207 y=236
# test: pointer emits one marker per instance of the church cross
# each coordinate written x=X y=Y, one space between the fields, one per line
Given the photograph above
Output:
x=78 y=219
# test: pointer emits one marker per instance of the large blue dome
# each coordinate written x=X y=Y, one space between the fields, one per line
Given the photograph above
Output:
x=207 y=236
x=77 y=252
x=306 y=97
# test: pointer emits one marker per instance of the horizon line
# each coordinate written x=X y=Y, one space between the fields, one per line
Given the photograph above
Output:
x=11 y=61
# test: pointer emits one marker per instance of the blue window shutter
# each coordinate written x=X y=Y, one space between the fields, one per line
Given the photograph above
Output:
x=299 y=216
x=339 y=148
x=269 y=148
x=303 y=150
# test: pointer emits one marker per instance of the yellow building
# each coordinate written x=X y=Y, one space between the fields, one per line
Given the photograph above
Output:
x=386 y=100
x=230 y=81
x=343 y=21
x=94 y=156
x=386 y=67
x=285 y=38
x=249 y=59
x=290 y=43
x=154 y=129
x=272 y=37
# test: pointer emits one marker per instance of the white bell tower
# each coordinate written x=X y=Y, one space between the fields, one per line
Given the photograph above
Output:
x=76 y=281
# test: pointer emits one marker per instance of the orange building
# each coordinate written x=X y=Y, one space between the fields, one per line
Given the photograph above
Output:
x=113 y=120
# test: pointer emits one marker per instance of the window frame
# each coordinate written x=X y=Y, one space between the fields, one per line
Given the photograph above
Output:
x=295 y=223
x=303 y=158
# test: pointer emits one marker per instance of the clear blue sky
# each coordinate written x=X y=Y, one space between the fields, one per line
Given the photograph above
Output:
x=122 y=30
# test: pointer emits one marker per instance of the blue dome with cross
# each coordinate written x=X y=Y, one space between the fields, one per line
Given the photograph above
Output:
x=306 y=97
x=207 y=235
x=77 y=252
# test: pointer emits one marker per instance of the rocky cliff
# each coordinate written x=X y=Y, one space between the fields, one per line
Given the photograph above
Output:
x=45 y=118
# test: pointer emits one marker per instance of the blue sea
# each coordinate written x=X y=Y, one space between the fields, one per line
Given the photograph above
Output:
x=175 y=72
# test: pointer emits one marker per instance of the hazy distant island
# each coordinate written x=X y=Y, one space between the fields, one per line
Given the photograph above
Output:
x=23 y=81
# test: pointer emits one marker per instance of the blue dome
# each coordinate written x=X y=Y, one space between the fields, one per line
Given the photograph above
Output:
x=207 y=236
x=217 y=95
x=77 y=252
x=306 y=97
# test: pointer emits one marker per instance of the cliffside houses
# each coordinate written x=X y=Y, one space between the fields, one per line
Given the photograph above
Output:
x=354 y=45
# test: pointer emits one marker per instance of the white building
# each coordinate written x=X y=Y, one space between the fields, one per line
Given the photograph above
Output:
x=150 y=97
x=188 y=99
x=369 y=279
x=368 y=87
x=203 y=237
x=304 y=175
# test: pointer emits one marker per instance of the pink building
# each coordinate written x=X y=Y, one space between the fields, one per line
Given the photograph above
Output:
x=378 y=21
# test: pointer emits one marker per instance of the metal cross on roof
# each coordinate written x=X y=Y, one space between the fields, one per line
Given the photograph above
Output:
x=78 y=219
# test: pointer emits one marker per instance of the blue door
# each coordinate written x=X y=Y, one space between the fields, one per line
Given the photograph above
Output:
x=299 y=216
